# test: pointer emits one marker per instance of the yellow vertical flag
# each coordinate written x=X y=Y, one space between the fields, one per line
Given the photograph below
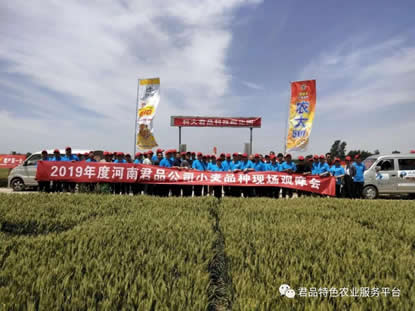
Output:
x=301 y=115
x=148 y=101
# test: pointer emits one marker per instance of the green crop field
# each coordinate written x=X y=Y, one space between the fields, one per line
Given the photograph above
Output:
x=4 y=173
x=78 y=252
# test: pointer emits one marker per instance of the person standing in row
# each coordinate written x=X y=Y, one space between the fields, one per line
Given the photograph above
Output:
x=358 y=179
x=176 y=190
x=350 y=171
x=57 y=186
x=44 y=186
x=186 y=164
x=69 y=157
x=259 y=166
x=245 y=166
x=217 y=167
x=198 y=165
x=288 y=167
x=304 y=169
x=337 y=171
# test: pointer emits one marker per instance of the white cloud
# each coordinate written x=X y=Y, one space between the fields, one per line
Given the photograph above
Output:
x=358 y=83
x=94 y=51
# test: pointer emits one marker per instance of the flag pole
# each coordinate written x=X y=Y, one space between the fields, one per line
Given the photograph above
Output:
x=287 y=124
x=136 y=113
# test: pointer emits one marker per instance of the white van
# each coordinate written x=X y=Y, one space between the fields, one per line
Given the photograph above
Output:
x=23 y=176
x=389 y=174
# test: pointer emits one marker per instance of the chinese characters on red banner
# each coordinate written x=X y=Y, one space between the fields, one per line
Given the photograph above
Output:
x=11 y=161
x=215 y=122
x=130 y=173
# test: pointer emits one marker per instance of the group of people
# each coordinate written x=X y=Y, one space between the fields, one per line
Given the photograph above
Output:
x=349 y=178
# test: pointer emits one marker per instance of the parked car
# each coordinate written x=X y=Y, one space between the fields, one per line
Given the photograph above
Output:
x=389 y=174
x=23 y=176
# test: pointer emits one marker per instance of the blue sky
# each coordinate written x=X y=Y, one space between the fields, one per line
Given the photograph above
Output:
x=68 y=71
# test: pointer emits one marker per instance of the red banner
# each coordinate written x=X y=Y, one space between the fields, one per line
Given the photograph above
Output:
x=81 y=172
x=215 y=122
x=11 y=161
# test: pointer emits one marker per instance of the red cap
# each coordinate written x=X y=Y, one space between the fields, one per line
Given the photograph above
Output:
x=56 y=150
x=357 y=156
x=310 y=159
x=218 y=158
x=348 y=158
x=183 y=153
x=193 y=153
x=44 y=151
x=272 y=156
x=256 y=155
x=222 y=154
x=322 y=156
x=315 y=156
x=301 y=158
x=159 y=150
x=138 y=154
x=173 y=150
x=288 y=155
x=228 y=155
x=86 y=153
x=120 y=153
x=168 y=151
x=199 y=154
x=235 y=154
x=245 y=155
x=337 y=159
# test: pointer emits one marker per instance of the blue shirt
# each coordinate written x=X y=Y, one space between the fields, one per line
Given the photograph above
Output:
x=315 y=168
x=233 y=165
x=226 y=165
x=137 y=161
x=216 y=168
x=259 y=167
x=324 y=168
x=72 y=157
x=198 y=165
x=272 y=167
x=244 y=165
x=336 y=171
x=360 y=169
x=56 y=160
x=90 y=160
x=120 y=161
x=291 y=166
x=165 y=163
x=153 y=158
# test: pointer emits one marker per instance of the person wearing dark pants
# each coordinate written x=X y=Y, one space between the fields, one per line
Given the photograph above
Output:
x=350 y=171
x=358 y=179
x=337 y=171
x=217 y=167
x=69 y=157
x=44 y=186
x=288 y=167
x=198 y=165
x=259 y=166
x=303 y=169
x=245 y=166
x=186 y=164
x=56 y=185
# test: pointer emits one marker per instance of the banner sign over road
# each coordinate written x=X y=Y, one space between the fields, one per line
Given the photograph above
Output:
x=81 y=172
x=11 y=161
x=197 y=121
